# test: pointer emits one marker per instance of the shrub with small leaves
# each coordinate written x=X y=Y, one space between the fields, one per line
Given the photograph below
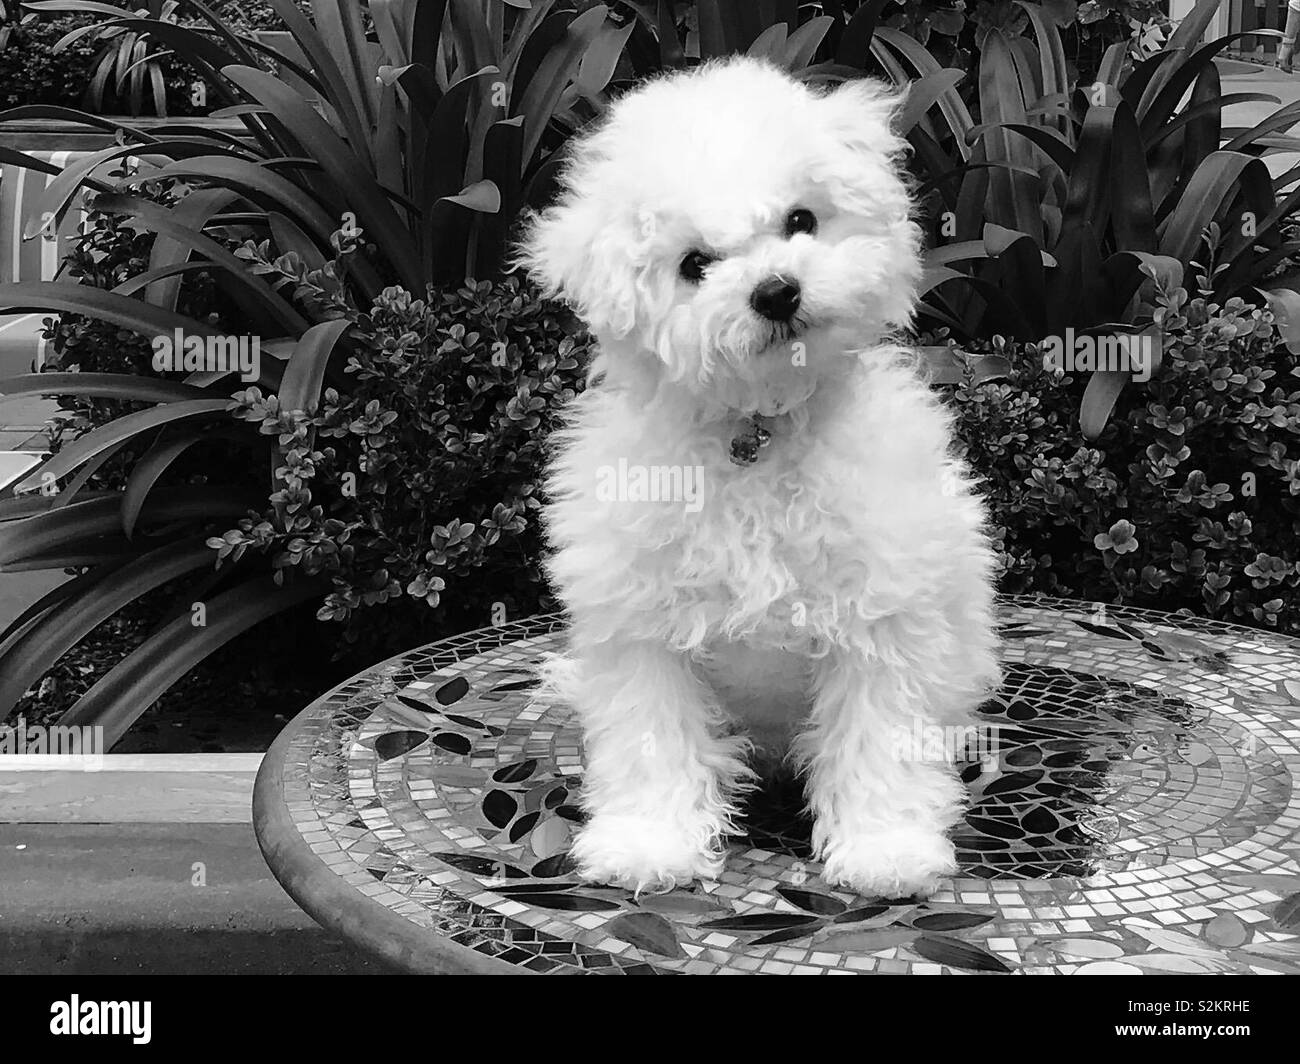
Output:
x=415 y=486
x=1190 y=499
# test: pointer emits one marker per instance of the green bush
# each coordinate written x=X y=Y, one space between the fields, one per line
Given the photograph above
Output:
x=30 y=72
x=414 y=485
x=1190 y=499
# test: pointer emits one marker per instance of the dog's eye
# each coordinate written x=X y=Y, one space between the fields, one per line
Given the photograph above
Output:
x=800 y=220
x=694 y=265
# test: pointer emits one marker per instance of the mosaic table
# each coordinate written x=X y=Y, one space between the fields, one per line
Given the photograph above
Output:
x=1134 y=809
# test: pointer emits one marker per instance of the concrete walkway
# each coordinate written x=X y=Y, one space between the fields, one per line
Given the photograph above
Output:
x=147 y=866
x=157 y=899
x=1270 y=80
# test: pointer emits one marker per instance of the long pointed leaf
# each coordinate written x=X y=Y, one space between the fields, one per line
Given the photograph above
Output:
x=1013 y=200
x=1205 y=195
x=101 y=386
x=344 y=169
x=117 y=430
x=554 y=74
x=45 y=642
x=71 y=587
x=56 y=530
x=1099 y=398
x=93 y=302
x=152 y=465
x=118 y=699
x=303 y=377
x=161 y=220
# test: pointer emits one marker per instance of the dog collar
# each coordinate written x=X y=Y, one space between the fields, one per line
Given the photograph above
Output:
x=752 y=437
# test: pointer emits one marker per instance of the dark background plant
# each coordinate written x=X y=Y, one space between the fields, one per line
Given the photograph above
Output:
x=1058 y=206
x=31 y=72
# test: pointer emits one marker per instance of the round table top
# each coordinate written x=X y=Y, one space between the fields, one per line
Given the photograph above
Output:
x=1138 y=813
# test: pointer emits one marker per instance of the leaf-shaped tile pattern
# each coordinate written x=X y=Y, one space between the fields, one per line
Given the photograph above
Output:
x=560 y=864
x=812 y=901
x=647 y=931
x=862 y=913
x=953 y=951
x=452 y=691
x=481 y=866
x=1226 y=930
x=1286 y=914
x=549 y=837
x=1103 y=629
x=522 y=889
x=681 y=903
x=762 y=922
x=788 y=934
x=417 y=706
x=457 y=744
x=1174 y=941
x=949 y=921
x=574 y=903
x=397 y=743
x=516 y=685
x=499 y=807
x=521 y=827
x=516 y=772
x=1101 y=949
x=399 y=711
x=870 y=941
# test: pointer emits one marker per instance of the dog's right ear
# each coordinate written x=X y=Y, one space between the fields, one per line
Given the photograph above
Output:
x=581 y=250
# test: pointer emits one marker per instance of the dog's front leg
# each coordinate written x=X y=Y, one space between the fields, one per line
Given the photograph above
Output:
x=881 y=808
x=659 y=780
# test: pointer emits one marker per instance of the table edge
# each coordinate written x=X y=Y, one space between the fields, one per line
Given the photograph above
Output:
x=393 y=940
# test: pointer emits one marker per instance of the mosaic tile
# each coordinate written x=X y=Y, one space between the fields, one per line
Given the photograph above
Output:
x=1133 y=808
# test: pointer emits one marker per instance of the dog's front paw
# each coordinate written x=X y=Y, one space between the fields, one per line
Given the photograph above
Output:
x=642 y=853
x=890 y=864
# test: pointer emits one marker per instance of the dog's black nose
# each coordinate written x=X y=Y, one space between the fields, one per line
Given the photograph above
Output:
x=775 y=299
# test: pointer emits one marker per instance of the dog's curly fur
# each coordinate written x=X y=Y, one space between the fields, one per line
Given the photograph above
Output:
x=817 y=601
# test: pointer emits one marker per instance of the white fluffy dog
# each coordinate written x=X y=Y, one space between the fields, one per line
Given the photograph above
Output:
x=758 y=530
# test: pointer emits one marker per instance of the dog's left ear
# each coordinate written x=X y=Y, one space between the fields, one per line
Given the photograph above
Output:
x=863 y=113
x=580 y=250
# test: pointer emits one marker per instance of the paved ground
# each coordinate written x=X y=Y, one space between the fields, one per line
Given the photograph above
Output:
x=22 y=418
x=1268 y=80
x=20 y=590
x=149 y=866
x=170 y=899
